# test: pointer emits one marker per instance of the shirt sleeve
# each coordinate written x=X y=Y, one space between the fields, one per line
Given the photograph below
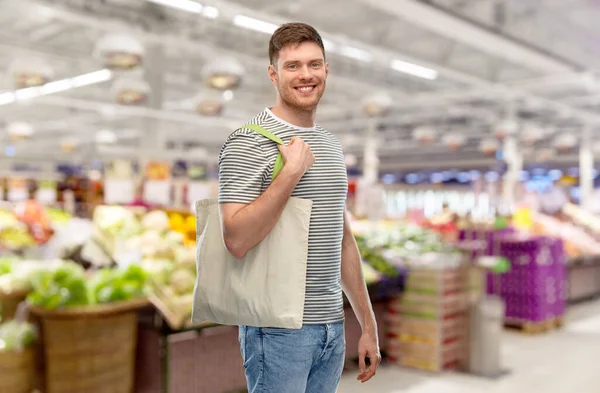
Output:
x=242 y=169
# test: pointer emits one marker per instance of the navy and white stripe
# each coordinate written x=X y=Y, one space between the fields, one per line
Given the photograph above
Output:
x=245 y=167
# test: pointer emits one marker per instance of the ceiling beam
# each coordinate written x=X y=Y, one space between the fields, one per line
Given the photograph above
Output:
x=447 y=25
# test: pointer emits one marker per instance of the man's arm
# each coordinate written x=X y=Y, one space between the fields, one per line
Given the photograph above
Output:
x=355 y=288
x=246 y=225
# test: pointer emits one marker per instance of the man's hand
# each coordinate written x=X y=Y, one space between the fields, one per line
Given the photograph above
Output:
x=297 y=156
x=368 y=348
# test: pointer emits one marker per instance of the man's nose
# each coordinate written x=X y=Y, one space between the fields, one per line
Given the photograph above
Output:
x=305 y=73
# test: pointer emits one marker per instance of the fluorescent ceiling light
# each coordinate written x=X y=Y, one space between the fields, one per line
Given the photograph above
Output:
x=414 y=69
x=91 y=78
x=329 y=45
x=56 y=86
x=25 y=94
x=184 y=5
x=356 y=53
x=106 y=137
x=254 y=24
x=210 y=12
x=7 y=98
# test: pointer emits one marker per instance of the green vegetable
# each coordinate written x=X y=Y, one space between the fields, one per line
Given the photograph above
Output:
x=183 y=281
x=16 y=335
x=63 y=286
x=110 y=285
x=6 y=265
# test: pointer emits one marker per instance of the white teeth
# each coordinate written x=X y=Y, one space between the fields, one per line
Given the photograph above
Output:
x=305 y=89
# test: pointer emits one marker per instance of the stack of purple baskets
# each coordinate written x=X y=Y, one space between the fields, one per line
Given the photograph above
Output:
x=535 y=288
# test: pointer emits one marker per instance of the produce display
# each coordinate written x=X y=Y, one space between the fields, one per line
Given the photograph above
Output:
x=577 y=241
x=28 y=224
x=66 y=285
x=16 y=335
x=14 y=234
x=154 y=241
x=387 y=246
x=18 y=275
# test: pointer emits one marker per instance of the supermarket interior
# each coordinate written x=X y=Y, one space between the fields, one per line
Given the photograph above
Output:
x=469 y=131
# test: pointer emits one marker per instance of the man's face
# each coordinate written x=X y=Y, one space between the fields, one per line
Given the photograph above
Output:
x=300 y=75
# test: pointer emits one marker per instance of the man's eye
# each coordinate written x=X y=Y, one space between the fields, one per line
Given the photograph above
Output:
x=292 y=66
x=316 y=65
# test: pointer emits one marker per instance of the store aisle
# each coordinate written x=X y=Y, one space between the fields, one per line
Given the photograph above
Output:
x=554 y=363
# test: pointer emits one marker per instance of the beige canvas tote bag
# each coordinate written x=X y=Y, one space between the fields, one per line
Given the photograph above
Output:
x=265 y=288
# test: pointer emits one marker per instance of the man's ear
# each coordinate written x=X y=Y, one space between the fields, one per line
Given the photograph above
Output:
x=273 y=75
x=326 y=70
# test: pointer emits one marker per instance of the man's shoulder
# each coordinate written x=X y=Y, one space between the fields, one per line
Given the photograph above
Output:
x=327 y=133
x=243 y=130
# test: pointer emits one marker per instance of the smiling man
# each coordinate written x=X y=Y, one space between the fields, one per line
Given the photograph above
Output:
x=310 y=359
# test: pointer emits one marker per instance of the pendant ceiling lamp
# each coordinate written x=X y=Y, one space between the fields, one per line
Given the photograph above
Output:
x=68 y=145
x=30 y=71
x=377 y=104
x=489 y=146
x=455 y=140
x=18 y=131
x=544 y=155
x=505 y=128
x=210 y=103
x=131 y=90
x=565 y=142
x=532 y=133
x=120 y=51
x=424 y=134
x=224 y=74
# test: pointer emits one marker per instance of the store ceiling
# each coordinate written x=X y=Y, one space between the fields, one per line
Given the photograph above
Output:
x=544 y=54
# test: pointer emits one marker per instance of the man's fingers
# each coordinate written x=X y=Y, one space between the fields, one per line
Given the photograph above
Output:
x=368 y=373
x=362 y=365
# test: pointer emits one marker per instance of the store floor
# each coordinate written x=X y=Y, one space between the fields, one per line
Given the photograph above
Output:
x=565 y=360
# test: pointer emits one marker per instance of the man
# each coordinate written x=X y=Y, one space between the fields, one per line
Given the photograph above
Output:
x=310 y=359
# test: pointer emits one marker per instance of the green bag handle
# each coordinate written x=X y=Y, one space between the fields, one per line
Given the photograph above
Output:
x=274 y=138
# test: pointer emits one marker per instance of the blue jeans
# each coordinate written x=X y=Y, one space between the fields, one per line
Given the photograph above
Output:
x=307 y=360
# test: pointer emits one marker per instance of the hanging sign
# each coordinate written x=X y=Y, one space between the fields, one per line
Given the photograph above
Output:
x=17 y=190
x=119 y=185
x=157 y=188
x=46 y=193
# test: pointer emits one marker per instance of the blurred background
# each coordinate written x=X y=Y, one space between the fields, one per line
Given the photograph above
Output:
x=469 y=129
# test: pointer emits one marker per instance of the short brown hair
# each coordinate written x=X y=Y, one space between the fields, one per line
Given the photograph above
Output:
x=292 y=34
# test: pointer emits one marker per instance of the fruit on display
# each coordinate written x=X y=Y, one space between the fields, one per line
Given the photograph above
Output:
x=8 y=219
x=29 y=225
x=58 y=217
x=185 y=224
x=33 y=214
x=16 y=238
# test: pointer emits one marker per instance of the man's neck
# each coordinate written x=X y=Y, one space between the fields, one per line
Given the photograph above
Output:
x=300 y=118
